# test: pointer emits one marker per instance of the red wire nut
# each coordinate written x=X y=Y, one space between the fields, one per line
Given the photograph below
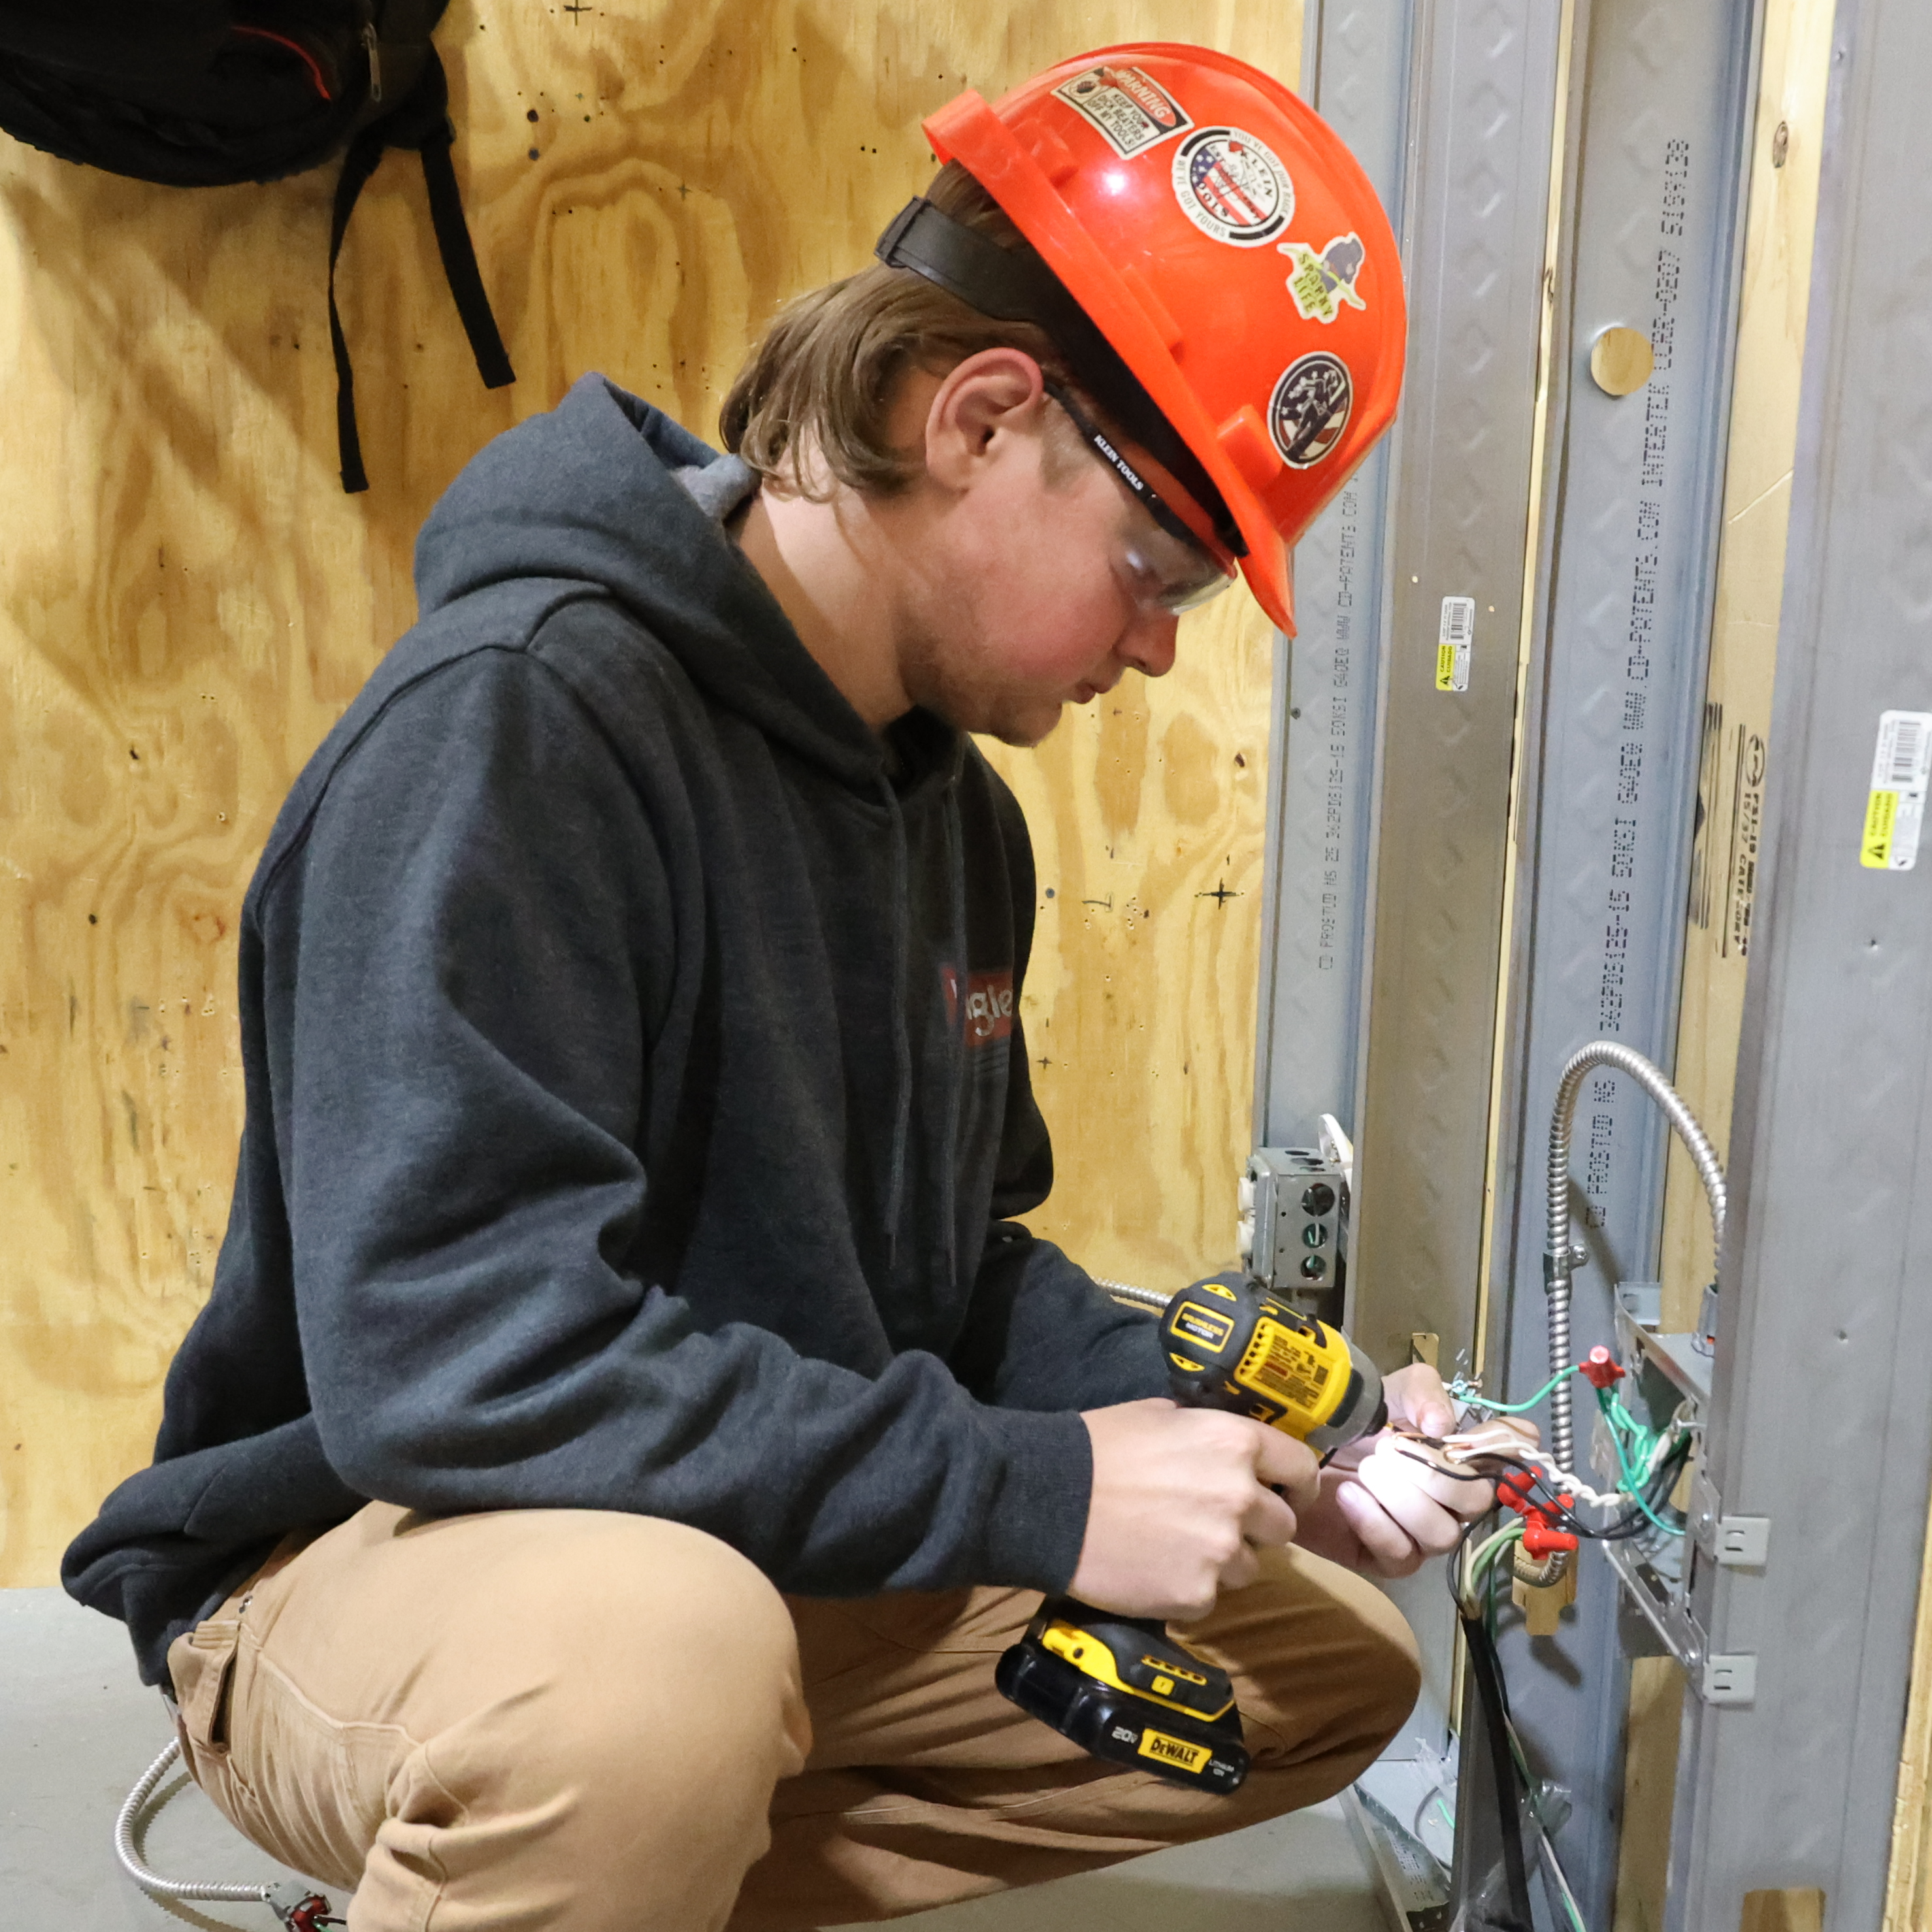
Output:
x=1540 y=1535
x=1513 y=1492
x=1599 y=1367
x=1541 y=1538
x=311 y=1914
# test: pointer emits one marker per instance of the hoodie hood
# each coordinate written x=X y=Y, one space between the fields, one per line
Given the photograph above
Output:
x=591 y=493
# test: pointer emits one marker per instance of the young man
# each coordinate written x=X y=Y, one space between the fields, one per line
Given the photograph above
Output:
x=629 y=1421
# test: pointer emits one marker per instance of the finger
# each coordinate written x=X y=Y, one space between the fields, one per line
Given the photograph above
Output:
x=1283 y=1463
x=1433 y=1527
x=1240 y=1569
x=1268 y=1522
x=1350 y=1453
x=1435 y=1477
x=1415 y=1395
x=1386 y=1545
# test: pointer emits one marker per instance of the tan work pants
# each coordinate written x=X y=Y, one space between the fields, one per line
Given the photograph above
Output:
x=593 y=1722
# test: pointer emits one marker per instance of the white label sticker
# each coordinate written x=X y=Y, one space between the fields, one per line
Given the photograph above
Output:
x=1895 y=805
x=1129 y=106
x=1454 y=637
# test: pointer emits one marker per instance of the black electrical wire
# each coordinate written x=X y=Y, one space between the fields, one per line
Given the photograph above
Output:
x=1488 y=1672
x=1485 y=1665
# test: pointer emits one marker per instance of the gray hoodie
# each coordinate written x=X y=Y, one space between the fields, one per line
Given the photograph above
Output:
x=637 y=1101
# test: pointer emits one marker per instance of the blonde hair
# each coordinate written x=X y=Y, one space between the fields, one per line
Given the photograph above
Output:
x=812 y=407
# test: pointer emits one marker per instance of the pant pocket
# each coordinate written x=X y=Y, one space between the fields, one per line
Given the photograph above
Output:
x=202 y=1663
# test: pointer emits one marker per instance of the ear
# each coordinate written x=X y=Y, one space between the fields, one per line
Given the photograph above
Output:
x=996 y=393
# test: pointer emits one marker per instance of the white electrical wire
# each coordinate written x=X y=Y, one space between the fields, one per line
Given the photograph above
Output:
x=151 y=1882
x=1575 y=1911
x=1566 y=1481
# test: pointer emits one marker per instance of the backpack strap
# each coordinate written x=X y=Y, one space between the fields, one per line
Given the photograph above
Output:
x=421 y=122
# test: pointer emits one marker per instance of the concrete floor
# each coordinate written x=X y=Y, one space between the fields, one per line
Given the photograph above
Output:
x=76 y=1729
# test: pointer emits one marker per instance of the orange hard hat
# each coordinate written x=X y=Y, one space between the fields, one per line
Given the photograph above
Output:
x=1223 y=280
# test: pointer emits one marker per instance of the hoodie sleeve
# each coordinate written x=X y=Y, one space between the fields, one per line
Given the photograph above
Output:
x=465 y=962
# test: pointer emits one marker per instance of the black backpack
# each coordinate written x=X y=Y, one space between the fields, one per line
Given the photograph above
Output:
x=204 y=93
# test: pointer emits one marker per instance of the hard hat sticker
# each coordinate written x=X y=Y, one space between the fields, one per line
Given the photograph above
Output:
x=1321 y=284
x=1309 y=409
x=1231 y=186
x=1131 y=110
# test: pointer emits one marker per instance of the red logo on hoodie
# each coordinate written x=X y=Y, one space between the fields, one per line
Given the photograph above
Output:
x=989 y=1004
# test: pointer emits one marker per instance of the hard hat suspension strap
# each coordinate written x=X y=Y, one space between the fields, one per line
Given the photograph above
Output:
x=999 y=283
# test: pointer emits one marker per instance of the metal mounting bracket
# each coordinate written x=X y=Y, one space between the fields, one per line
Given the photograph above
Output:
x=1730 y=1679
x=1737 y=1542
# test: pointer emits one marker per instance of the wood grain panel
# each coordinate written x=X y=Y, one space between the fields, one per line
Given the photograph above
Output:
x=187 y=600
x=1147 y=810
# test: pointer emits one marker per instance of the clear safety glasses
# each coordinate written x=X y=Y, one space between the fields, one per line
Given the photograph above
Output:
x=1201 y=578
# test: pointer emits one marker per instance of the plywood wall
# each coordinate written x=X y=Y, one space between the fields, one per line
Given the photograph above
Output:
x=187 y=600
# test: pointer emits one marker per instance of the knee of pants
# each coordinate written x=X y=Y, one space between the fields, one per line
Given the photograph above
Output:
x=660 y=1635
x=1387 y=1667
x=601 y=1718
x=1330 y=1664
x=584 y=1666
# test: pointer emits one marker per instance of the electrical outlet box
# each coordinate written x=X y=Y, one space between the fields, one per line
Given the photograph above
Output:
x=1294 y=1226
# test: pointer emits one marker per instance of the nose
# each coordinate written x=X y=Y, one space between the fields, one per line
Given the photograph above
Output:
x=1147 y=644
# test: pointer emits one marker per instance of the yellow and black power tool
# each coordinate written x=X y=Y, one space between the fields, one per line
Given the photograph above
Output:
x=1120 y=1687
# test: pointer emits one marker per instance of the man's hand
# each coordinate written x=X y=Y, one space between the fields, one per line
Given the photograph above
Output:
x=1182 y=1499
x=1383 y=1506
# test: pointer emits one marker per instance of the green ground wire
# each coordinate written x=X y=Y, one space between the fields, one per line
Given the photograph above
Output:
x=1643 y=1442
x=1476 y=1401
x=1631 y=1486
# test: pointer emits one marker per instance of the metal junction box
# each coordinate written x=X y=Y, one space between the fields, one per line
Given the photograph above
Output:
x=1294 y=1227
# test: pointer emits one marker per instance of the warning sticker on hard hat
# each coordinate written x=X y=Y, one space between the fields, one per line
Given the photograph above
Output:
x=1895 y=805
x=1321 y=283
x=1232 y=187
x=1132 y=111
x=1309 y=409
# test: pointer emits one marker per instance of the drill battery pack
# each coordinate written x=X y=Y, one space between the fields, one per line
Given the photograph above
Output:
x=1121 y=1688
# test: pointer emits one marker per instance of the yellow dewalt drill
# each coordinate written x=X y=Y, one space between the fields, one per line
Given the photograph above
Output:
x=1120 y=1687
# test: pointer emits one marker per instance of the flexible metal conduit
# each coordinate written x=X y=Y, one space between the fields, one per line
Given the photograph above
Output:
x=1560 y=1259
x=152 y=1882
x=1140 y=1298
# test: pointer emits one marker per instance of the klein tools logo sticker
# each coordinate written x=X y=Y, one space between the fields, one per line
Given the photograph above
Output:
x=1309 y=409
x=988 y=1004
x=1132 y=111
x=1232 y=187
x=1321 y=284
